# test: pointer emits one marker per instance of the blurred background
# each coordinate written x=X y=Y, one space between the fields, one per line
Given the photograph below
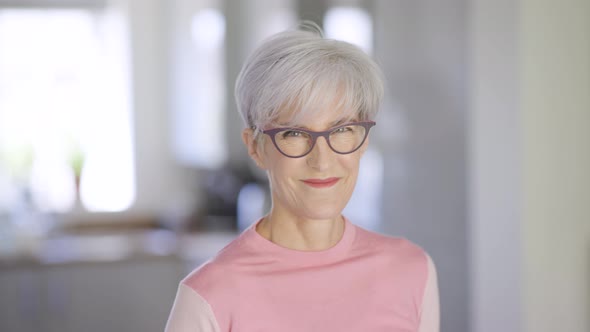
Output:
x=122 y=168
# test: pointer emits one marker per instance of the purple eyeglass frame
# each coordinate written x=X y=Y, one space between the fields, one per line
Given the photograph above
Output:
x=315 y=134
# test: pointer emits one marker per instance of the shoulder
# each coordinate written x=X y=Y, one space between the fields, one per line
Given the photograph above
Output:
x=398 y=262
x=190 y=312
x=394 y=247
x=211 y=272
x=221 y=274
x=397 y=255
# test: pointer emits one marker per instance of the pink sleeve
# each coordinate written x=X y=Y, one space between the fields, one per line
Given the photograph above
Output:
x=190 y=313
x=430 y=315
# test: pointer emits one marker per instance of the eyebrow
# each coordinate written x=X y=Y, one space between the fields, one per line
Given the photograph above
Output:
x=332 y=124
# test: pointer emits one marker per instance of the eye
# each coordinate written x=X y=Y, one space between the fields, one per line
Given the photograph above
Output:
x=292 y=133
x=344 y=129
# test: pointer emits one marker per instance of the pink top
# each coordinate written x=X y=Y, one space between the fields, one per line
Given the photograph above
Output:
x=366 y=282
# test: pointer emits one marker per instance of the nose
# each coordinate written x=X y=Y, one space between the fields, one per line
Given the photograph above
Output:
x=321 y=155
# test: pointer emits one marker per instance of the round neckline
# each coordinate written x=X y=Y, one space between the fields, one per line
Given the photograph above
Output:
x=338 y=250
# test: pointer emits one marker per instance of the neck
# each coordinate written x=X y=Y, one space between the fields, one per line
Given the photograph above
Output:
x=301 y=234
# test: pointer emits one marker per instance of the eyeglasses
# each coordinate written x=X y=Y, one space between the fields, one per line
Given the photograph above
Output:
x=298 y=142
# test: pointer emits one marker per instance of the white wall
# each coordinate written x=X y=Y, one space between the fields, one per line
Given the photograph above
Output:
x=495 y=151
x=530 y=178
x=555 y=85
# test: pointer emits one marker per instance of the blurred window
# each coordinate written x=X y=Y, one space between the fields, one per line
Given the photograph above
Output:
x=65 y=108
x=199 y=93
x=351 y=24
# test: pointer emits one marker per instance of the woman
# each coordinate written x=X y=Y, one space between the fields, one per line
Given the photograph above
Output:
x=308 y=105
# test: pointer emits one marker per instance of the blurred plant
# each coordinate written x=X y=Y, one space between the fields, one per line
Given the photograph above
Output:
x=76 y=160
x=18 y=161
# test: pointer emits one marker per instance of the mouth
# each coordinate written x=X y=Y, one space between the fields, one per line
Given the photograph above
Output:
x=321 y=183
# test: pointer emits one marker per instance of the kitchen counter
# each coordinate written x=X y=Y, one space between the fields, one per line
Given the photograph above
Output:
x=97 y=247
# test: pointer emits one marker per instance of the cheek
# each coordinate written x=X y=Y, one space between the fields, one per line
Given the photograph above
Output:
x=285 y=190
x=351 y=163
x=280 y=169
x=283 y=173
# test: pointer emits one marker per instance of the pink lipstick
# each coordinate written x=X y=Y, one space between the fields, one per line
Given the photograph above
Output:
x=321 y=183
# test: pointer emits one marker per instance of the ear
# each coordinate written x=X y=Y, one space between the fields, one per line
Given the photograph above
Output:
x=254 y=149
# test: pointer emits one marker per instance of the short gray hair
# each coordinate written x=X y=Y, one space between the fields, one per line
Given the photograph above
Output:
x=301 y=71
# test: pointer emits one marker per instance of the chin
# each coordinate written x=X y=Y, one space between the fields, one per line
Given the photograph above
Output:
x=323 y=212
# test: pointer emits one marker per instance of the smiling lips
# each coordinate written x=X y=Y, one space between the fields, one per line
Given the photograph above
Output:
x=321 y=183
